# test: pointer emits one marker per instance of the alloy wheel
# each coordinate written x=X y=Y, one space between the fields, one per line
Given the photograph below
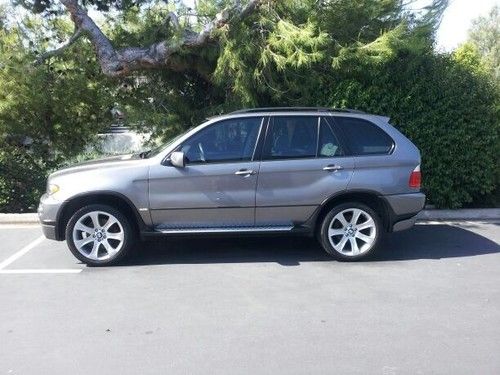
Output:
x=352 y=232
x=98 y=235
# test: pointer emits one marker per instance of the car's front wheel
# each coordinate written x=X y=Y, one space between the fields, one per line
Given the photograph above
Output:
x=350 y=231
x=99 y=235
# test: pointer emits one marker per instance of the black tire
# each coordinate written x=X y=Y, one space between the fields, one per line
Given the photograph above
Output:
x=324 y=227
x=129 y=235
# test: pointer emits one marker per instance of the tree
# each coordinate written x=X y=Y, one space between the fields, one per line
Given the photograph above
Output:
x=48 y=113
x=371 y=55
x=485 y=35
x=447 y=105
x=216 y=18
x=120 y=62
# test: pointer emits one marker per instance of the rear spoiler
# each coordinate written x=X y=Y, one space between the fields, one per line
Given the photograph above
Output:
x=383 y=118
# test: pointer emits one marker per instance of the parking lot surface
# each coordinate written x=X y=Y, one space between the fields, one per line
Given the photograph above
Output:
x=428 y=303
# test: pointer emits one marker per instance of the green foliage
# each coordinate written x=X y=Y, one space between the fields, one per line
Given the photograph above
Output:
x=47 y=112
x=485 y=36
x=447 y=108
x=22 y=179
x=290 y=46
x=366 y=54
x=377 y=57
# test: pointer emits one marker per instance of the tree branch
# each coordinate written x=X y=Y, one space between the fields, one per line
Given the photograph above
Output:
x=44 y=56
x=121 y=62
x=173 y=19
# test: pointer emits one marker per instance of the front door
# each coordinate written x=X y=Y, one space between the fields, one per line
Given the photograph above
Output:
x=217 y=186
x=303 y=164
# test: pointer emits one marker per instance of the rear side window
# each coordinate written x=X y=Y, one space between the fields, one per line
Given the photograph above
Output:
x=291 y=137
x=365 y=138
x=328 y=145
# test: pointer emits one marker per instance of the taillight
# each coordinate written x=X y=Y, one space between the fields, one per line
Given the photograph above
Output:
x=415 y=178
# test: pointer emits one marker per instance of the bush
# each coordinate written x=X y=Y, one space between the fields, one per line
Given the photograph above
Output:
x=448 y=107
x=22 y=179
x=23 y=175
x=48 y=112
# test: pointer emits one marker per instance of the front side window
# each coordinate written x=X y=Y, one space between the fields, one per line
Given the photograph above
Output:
x=291 y=137
x=228 y=140
x=365 y=138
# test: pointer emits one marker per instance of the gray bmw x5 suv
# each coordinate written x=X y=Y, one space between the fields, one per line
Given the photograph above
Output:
x=342 y=175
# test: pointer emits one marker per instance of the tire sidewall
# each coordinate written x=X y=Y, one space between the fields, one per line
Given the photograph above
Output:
x=323 y=234
x=128 y=241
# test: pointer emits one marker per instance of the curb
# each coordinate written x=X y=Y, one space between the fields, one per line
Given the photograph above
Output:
x=463 y=214
x=19 y=219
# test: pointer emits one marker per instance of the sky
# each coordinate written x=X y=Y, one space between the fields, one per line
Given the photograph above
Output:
x=457 y=21
x=455 y=24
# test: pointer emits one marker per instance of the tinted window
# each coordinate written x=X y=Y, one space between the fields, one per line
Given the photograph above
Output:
x=328 y=145
x=291 y=137
x=364 y=137
x=229 y=140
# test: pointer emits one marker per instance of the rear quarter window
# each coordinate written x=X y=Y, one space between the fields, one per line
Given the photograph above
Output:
x=365 y=138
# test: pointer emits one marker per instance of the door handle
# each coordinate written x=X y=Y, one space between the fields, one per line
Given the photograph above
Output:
x=244 y=172
x=333 y=168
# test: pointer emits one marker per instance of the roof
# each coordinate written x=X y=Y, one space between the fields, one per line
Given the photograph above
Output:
x=296 y=109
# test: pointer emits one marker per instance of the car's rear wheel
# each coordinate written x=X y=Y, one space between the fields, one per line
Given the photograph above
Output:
x=99 y=235
x=350 y=231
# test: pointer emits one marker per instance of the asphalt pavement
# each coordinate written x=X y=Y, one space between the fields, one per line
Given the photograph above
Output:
x=428 y=303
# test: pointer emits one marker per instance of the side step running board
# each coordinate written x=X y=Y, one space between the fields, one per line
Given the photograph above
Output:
x=224 y=230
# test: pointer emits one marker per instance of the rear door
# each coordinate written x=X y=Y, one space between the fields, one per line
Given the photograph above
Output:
x=380 y=166
x=303 y=164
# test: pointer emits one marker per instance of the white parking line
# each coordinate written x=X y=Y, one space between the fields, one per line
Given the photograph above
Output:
x=35 y=270
x=22 y=252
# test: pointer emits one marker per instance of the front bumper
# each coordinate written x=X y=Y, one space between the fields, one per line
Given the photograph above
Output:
x=49 y=231
x=404 y=209
x=48 y=210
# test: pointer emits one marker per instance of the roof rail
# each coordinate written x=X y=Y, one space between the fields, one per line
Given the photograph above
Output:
x=296 y=109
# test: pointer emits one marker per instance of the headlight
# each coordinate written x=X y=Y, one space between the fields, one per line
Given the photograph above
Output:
x=52 y=189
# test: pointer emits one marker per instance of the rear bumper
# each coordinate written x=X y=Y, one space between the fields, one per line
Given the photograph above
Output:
x=404 y=224
x=403 y=210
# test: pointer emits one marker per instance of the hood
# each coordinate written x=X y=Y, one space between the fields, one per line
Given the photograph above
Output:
x=96 y=164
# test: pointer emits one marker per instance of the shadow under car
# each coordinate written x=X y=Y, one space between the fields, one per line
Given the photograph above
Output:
x=434 y=241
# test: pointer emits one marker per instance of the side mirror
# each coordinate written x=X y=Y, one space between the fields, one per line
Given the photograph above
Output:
x=178 y=159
